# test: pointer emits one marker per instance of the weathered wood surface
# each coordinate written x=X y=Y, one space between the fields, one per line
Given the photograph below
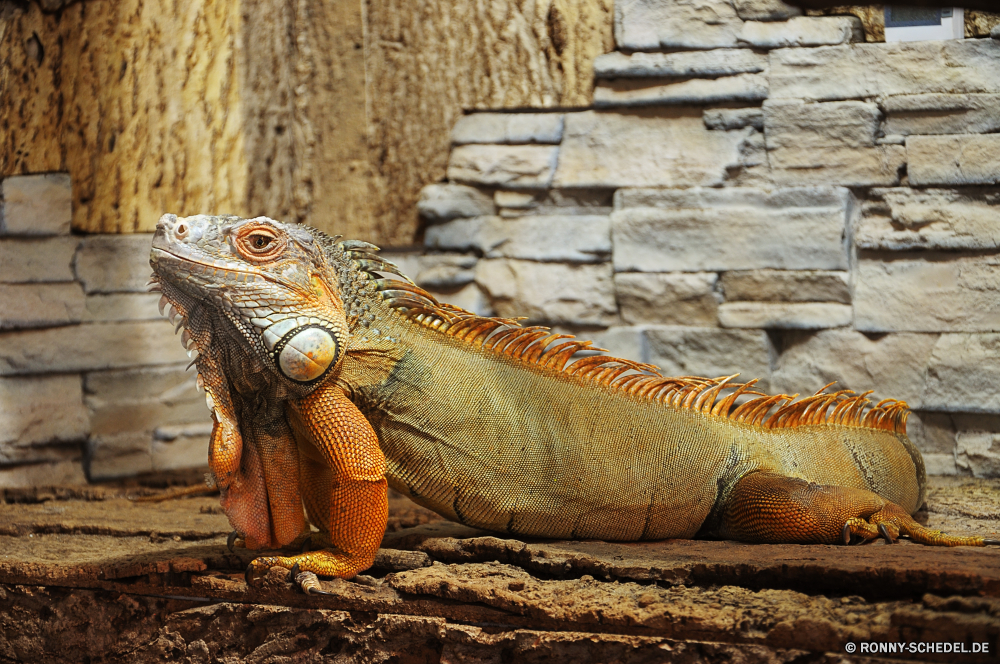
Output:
x=456 y=590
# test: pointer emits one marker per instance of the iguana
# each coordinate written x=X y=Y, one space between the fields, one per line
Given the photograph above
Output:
x=326 y=378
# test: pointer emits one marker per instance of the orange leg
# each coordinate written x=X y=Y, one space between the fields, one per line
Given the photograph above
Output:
x=765 y=507
x=353 y=524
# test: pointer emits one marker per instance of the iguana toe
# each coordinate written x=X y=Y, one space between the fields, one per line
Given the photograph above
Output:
x=231 y=541
x=308 y=582
x=324 y=562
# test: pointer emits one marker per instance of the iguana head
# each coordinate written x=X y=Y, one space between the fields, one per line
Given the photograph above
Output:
x=271 y=281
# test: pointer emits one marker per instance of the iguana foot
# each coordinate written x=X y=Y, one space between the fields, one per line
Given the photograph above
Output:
x=325 y=562
x=766 y=507
x=892 y=521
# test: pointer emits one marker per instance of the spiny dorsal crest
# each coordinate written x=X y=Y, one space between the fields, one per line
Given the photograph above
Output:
x=537 y=345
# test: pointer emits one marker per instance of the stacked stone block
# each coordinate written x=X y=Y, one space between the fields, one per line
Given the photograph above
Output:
x=752 y=191
x=92 y=379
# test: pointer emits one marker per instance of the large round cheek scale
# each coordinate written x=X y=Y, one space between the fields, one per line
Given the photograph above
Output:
x=306 y=354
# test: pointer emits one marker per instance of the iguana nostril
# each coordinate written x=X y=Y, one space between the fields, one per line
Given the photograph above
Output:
x=181 y=231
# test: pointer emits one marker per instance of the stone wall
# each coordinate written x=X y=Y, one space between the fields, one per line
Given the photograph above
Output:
x=755 y=191
x=92 y=379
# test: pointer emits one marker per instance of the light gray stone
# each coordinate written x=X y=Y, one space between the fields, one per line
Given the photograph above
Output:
x=133 y=414
x=172 y=432
x=673 y=298
x=954 y=159
x=446 y=270
x=710 y=352
x=978 y=452
x=794 y=123
x=408 y=262
x=720 y=62
x=786 y=286
x=638 y=92
x=109 y=307
x=89 y=346
x=625 y=342
x=936 y=435
x=649 y=25
x=114 y=263
x=511 y=166
x=866 y=71
x=36 y=204
x=120 y=455
x=180 y=452
x=765 y=10
x=995 y=32
x=40 y=305
x=145 y=419
x=572 y=238
x=645 y=148
x=510 y=128
x=37 y=260
x=784 y=315
x=560 y=202
x=469 y=297
x=894 y=365
x=928 y=292
x=730 y=229
x=519 y=200
x=164 y=384
x=435 y=271
x=932 y=433
x=442 y=202
x=942 y=114
x=829 y=143
x=459 y=235
x=549 y=292
x=36 y=411
x=57 y=473
x=697 y=198
x=753 y=169
x=734 y=118
x=940 y=464
x=946 y=372
x=952 y=219
x=802 y=31
x=962 y=374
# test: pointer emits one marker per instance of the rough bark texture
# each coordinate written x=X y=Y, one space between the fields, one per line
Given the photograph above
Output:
x=138 y=100
x=87 y=575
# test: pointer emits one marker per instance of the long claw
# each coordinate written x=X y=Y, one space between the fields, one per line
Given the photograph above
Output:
x=294 y=572
x=233 y=536
x=309 y=583
x=991 y=542
x=883 y=530
x=248 y=575
x=846 y=534
x=306 y=545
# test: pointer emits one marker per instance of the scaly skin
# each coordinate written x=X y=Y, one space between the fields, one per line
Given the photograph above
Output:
x=315 y=367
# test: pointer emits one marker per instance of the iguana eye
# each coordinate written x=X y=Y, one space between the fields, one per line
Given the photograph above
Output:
x=259 y=243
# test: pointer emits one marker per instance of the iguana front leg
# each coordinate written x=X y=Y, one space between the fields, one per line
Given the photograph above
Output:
x=343 y=484
x=767 y=507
